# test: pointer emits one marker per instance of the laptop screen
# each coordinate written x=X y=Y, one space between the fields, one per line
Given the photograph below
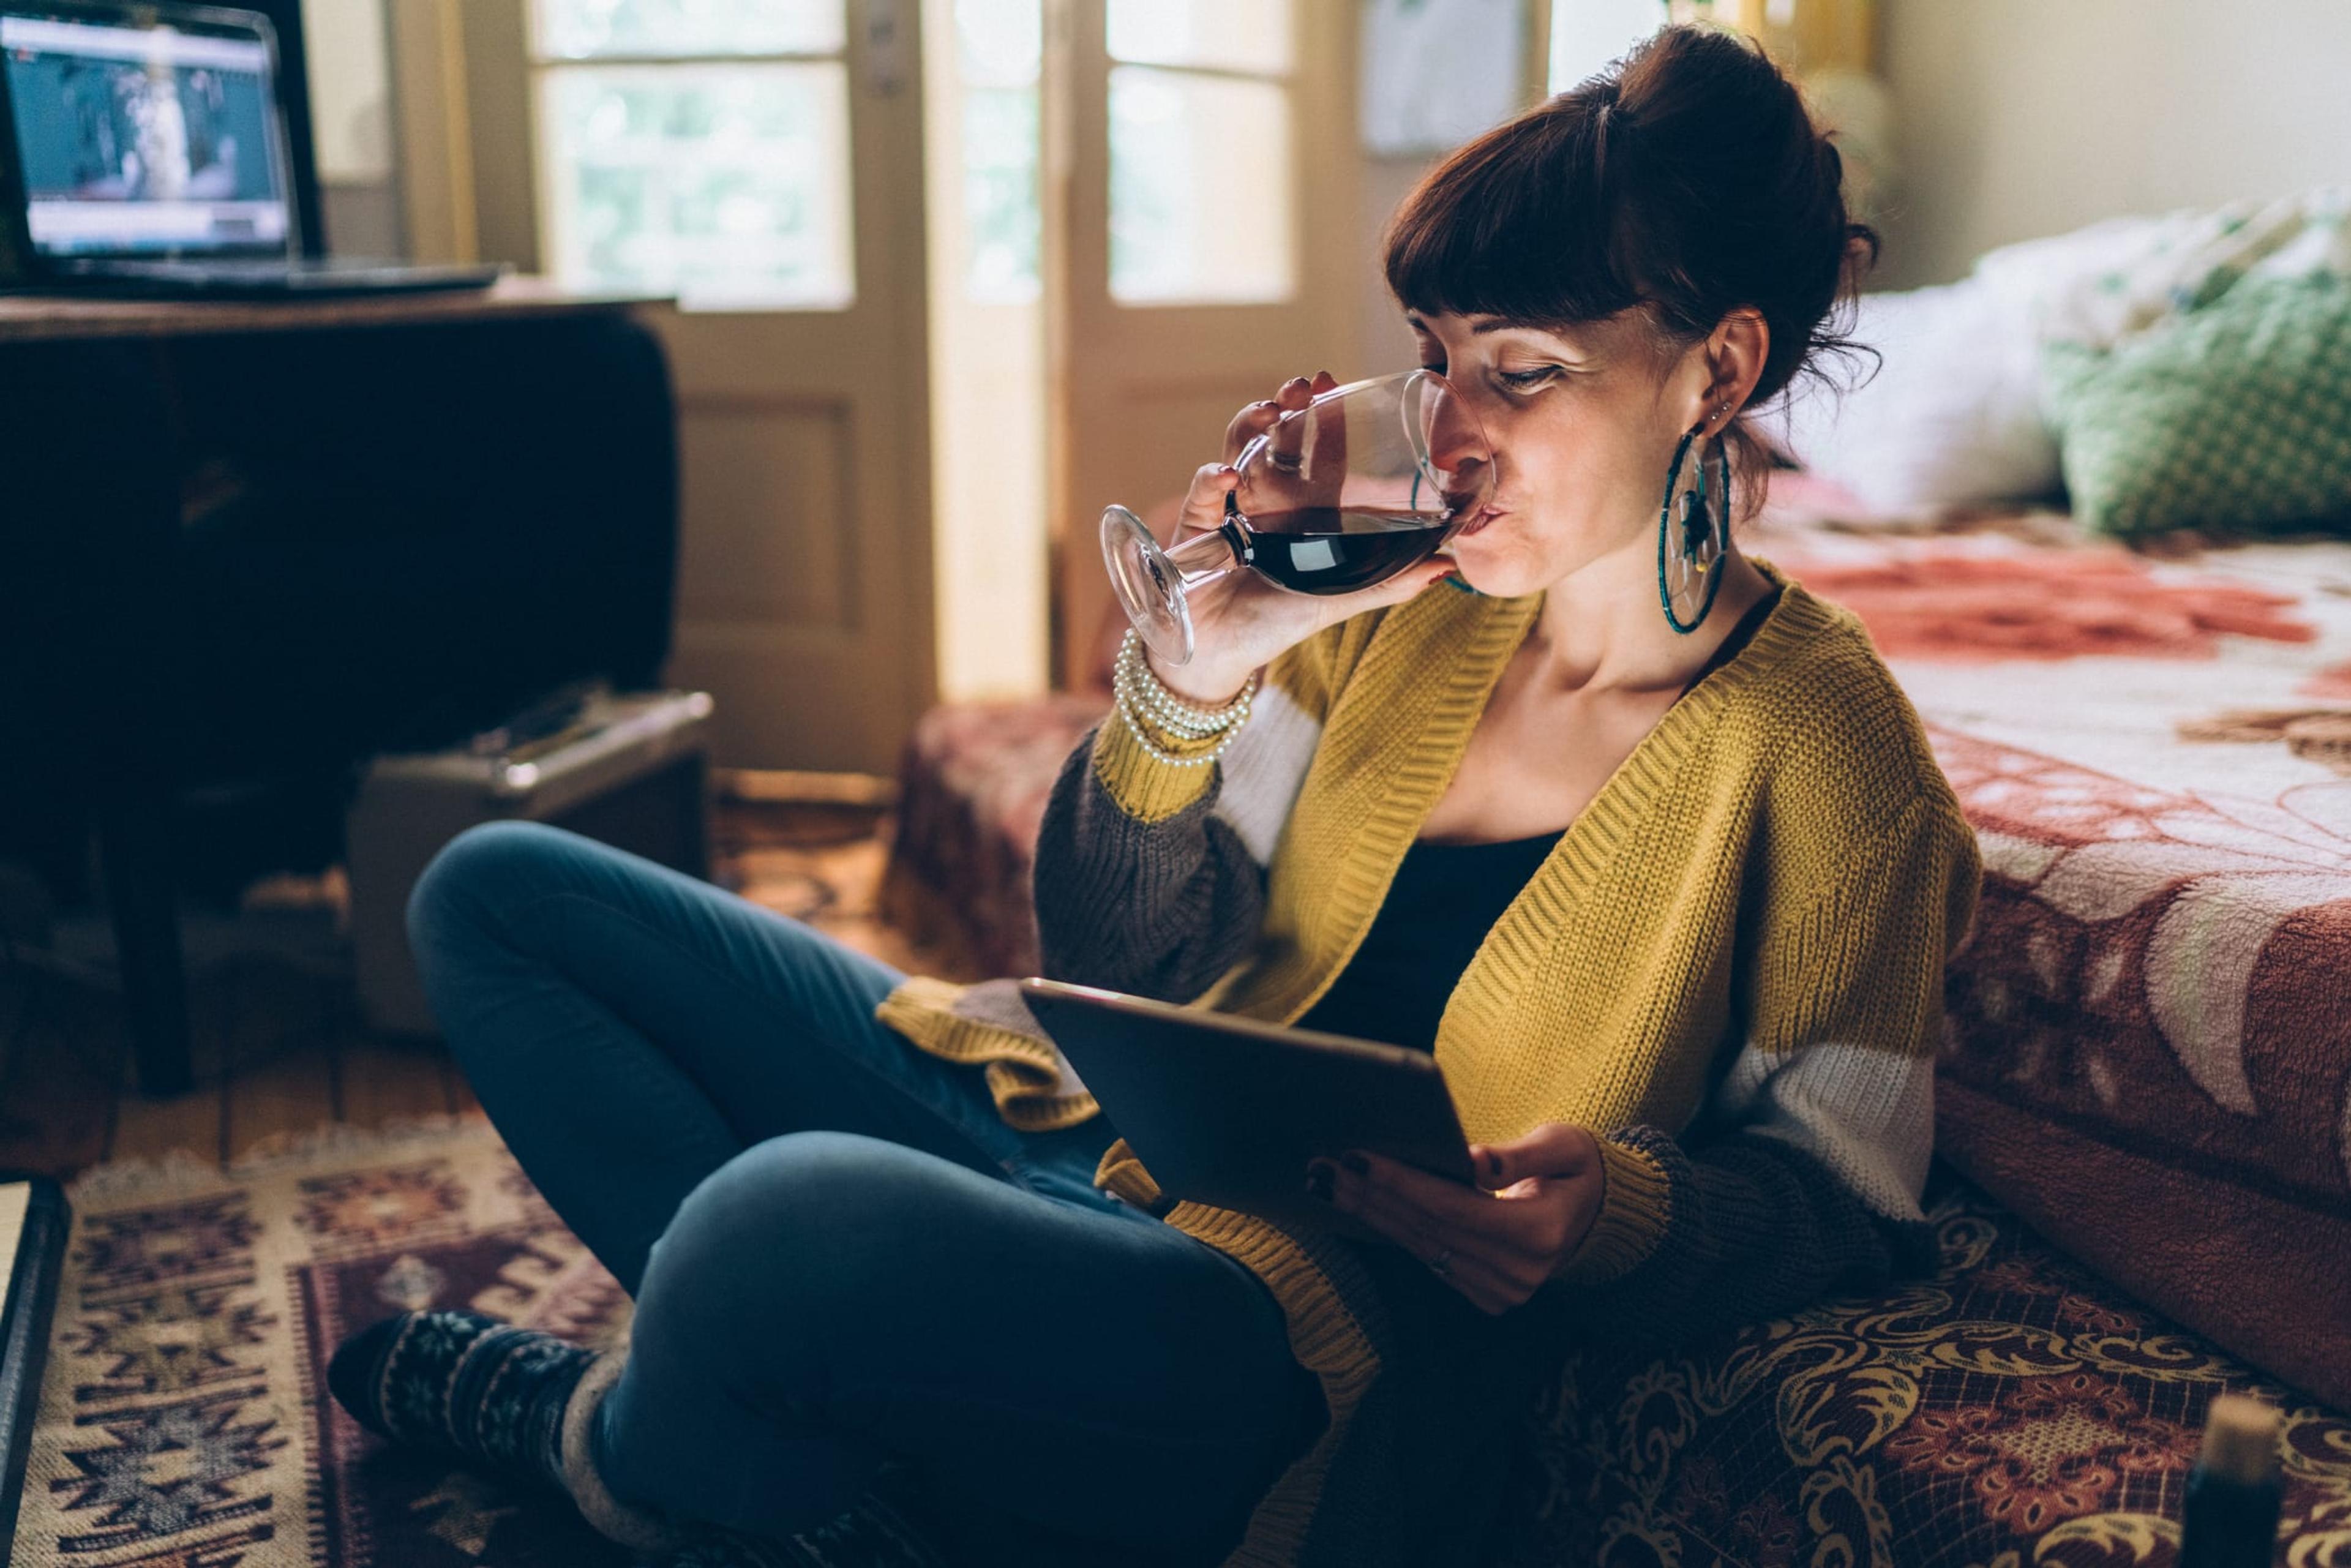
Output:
x=146 y=139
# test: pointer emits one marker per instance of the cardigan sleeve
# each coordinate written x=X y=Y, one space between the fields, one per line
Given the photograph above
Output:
x=1142 y=883
x=1132 y=897
x=1802 y=1179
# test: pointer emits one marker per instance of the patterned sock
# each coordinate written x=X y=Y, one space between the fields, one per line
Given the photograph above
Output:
x=466 y=1384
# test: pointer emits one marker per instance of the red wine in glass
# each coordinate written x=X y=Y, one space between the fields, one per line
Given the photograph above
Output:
x=1337 y=549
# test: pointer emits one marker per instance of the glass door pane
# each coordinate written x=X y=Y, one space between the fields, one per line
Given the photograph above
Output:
x=999 y=51
x=590 y=30
x=1252 y=35
x=726 y=183
x=1202 y=198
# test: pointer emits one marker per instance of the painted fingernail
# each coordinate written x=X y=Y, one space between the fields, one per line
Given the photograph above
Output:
x=1356 y=1162
x=1318 y=1182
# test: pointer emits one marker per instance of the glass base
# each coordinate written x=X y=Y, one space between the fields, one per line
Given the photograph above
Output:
x=1150 y=588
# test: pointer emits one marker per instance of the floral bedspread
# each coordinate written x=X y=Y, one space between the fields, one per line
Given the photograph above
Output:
x=2149 y=1052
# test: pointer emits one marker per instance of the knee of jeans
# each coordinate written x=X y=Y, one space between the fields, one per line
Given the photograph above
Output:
x=786 y=1237
x=474 y=874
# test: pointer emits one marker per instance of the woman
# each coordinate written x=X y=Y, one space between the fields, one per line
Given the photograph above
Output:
x=1654 y=858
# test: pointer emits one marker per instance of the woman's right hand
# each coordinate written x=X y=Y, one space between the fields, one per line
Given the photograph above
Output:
x=1241 y=629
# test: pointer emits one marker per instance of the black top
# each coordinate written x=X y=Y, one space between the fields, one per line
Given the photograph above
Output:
x=1443 y=900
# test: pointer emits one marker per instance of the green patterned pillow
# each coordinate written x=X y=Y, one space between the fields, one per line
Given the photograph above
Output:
x=2236 y=416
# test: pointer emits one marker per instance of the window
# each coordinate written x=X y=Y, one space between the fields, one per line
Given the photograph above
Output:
x=999 y=49
x=1201 y=201
x=697 y=146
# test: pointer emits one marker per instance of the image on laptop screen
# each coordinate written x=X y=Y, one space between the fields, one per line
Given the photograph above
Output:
x=144 y=140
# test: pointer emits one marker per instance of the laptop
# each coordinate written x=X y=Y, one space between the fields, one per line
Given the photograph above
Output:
x=146 y=153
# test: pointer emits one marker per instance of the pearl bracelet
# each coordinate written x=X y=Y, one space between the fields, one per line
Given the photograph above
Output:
x=1143 y=703
x=1175 y=714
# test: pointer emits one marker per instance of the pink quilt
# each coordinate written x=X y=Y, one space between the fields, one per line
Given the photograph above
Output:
x=2149 y=1052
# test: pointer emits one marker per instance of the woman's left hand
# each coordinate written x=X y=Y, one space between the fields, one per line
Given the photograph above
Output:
x=1497 y=1243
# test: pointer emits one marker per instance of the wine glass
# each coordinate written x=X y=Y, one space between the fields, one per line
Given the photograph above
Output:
x=1366 y=480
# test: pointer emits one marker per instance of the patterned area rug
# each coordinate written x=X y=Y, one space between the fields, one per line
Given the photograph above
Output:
x=2010 y=1411
x=185 y=1422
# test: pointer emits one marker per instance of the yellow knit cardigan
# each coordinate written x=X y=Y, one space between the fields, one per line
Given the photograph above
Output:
x=1706 y=902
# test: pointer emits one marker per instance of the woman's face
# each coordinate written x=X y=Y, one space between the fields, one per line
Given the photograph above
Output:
x=1583 y=421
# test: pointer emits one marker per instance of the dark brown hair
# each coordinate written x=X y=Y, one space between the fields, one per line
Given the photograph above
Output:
x=1686 y=178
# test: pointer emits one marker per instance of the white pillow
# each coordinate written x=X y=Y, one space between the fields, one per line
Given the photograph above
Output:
x=1951 y=418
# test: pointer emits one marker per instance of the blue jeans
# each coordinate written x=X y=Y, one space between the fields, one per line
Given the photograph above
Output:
x=841 y=1254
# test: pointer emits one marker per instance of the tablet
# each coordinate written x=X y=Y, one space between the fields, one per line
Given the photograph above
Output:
x=1227 y=1110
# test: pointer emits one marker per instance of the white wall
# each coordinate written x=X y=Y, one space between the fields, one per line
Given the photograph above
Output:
x=2017 y=118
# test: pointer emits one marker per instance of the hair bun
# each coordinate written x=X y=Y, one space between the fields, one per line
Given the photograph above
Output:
x=1689 y=176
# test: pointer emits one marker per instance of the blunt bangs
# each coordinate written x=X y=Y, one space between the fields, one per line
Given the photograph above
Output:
x=1515 y=224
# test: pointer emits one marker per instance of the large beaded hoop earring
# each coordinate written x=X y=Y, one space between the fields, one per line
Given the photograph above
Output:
x=1693 y=527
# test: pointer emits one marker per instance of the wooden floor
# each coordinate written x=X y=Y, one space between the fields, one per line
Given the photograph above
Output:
x=280 y=1049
